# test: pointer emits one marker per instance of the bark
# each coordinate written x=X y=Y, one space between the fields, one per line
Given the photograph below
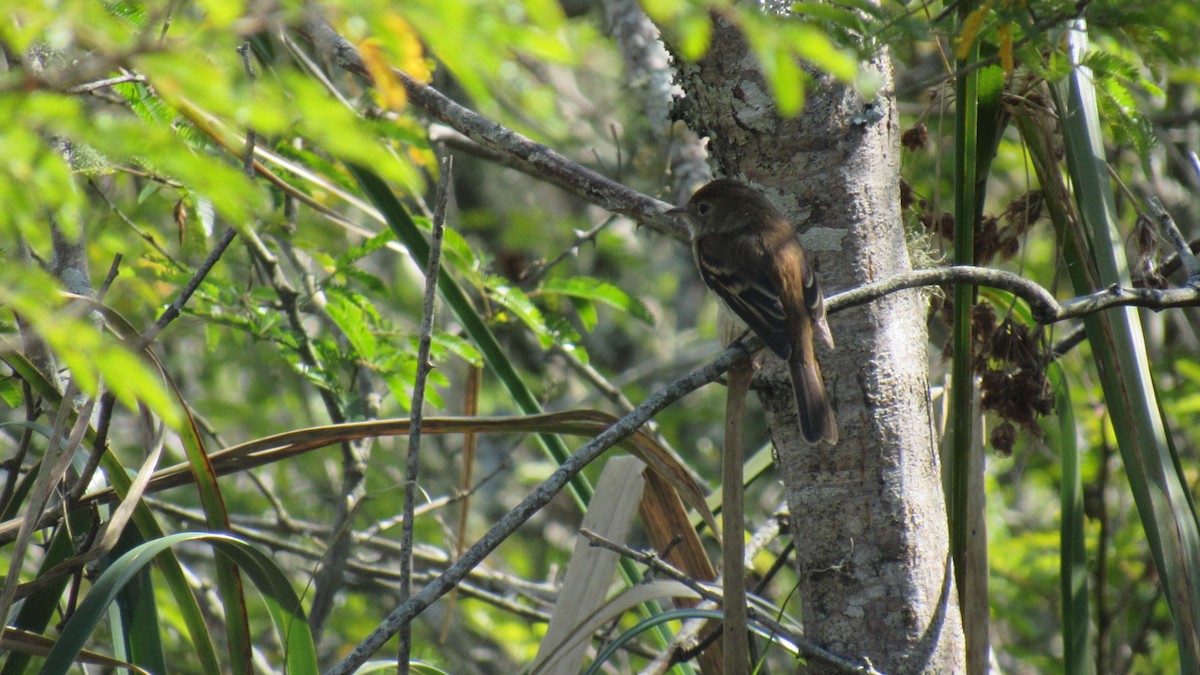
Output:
x=869 y=517
x=648 y=76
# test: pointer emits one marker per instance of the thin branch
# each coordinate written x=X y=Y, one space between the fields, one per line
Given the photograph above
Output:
x=536 y=500
x=1068 y=342
x=185 y=293
x=571 y=250
x=707 y=592
x=551 y=165
x=107 y=82
x=114 y=270
x=1183 y=249
x=146 y=236
x=424 y=365
x=1044 y=307
x=613 y=393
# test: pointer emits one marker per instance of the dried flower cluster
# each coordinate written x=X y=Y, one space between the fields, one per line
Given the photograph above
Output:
x=1008 y=356
x=1010 y=360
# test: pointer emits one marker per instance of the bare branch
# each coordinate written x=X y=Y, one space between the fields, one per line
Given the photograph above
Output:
x=550 y=165
x=413 y=465
x=709 y=593
x=622 y=200
x=107 y=82
x=649 y=75
x=176 y=307
x=1045 y=308
x=534 y=502
x=1183 y=250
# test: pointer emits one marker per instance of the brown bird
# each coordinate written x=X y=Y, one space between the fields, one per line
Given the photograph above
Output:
x=748 y=254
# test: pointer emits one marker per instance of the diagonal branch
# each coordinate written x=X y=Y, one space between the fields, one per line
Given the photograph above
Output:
x=534 y=502
x=550 y=165
x=606 y=193
x=707 y=591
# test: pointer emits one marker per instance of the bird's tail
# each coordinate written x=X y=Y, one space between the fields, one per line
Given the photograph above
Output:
x=816 y=415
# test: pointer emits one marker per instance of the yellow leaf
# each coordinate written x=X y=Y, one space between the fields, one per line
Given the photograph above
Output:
x=411 y=53
x=394 y=97
x=1006 y=49
x=970 y=30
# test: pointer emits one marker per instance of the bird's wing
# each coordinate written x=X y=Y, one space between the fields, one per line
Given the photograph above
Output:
x=754 y=298
x=814 y=301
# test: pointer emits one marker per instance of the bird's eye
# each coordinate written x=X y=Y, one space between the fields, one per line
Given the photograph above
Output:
x=703 y=208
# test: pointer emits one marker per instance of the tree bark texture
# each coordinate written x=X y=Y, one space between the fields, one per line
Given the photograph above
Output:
x=868 y=516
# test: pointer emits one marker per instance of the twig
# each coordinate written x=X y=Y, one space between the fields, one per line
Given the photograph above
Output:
x=611 y=392
x=146 y=236
x=114 y=270
x=470 y=446
x=1182 y=248
x=1068 y=342
x=413 y=466
x=707 y=592
x=185 y=293
x=580 y=240
x=99 y=445
x=243 y=51
x=551 y=165
x=1044 y=307
x=768 y=532
x=536 y=500
x=107 y=82
x=12 y=465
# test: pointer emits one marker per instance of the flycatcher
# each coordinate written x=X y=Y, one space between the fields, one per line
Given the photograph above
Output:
x=748 y=254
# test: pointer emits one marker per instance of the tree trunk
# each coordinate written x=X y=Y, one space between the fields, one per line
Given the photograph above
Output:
x=868 y=516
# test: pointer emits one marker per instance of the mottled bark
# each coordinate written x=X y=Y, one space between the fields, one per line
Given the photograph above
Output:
x=869 y=517
x=648 y=75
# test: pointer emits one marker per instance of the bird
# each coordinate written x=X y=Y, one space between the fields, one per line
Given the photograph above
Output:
x=749 y=255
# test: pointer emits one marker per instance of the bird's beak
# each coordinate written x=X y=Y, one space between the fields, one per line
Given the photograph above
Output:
x=683 y=217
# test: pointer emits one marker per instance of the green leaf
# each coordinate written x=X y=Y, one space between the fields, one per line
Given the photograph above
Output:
x=596 y=290
x=1160 y=488
x=514 y=300
x=91 y=355
x=586 y=309
x=1074 y=566
x=457 y=346
x=10 y=391
x=371 y=245
x=354 y=315
x=281 y=600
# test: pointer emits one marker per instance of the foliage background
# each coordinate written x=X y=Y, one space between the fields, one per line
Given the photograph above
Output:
x=149 y=170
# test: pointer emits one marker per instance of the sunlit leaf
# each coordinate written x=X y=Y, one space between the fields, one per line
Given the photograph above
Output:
x=599 y=291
